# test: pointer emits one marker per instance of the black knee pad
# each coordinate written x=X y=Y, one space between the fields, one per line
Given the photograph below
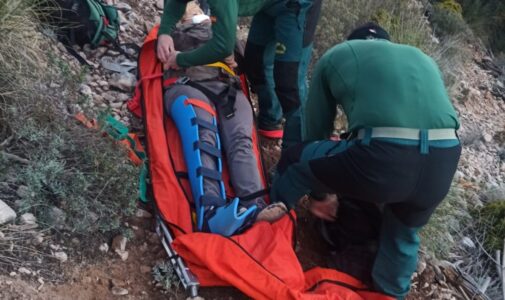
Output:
x=286 y=85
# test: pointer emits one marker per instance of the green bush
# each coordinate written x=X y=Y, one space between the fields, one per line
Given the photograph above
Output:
x=447 y=19
x=450 y=5
x=404 y=20
x=492 y=217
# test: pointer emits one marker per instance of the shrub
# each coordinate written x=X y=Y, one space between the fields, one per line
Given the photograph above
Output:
x=451 y=5
x=492 y=217
x=447 y=19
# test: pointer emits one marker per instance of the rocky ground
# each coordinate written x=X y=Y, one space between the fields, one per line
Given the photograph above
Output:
x=124 y=267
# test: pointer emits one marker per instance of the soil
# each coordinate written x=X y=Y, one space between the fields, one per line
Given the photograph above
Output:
x=98 y=278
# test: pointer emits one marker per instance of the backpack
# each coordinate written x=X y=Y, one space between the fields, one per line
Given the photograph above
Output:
x=87 y=22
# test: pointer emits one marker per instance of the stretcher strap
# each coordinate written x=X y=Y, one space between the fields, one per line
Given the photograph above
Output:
x=208 y=200
x=209 y=149
x=204 y=124
x=209 y=173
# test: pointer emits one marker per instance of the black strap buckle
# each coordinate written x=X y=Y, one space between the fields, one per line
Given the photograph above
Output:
x=182 y=80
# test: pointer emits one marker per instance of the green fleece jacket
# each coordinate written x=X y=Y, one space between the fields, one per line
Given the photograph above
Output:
x=379 y=84
x=226 y=13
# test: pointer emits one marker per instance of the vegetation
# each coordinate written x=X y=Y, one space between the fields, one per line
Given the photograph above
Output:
x=492 y=217
x=487 y=19
x=58 y=163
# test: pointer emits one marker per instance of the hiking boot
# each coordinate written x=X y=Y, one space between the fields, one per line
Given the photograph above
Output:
x=272 y=212
x=271 y=131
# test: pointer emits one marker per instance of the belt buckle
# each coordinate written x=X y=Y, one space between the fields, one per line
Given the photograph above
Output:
x=182 y=80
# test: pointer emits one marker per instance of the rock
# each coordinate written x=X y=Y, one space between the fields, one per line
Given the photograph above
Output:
x=103 y=83
x=85 y=90
x=123 y=81
x=110 y=96
x=141 y=213
x=421 y=266
x=25 y=271
x=28 y=219
x=12 y=274
x=124 y=7
x=100 y=51
x=56 y=217
x=104 y=248
x=7 y=214
x=160 y=4
x=147 y=26
x=97 y=99
x=119 y=291
x=467 y=242
x=122 y=18
x=123 y=97
x=113 y=52
x=119 y=243
x=38 y=239
x=61 y=256
x=116 y=104
x=55 y=247
x=87 y=49
x=2 y=235
x=122 y=254
x=487 y=137
x=23 y=191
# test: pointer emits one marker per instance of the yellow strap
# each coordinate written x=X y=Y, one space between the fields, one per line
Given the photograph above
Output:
x=222 y=66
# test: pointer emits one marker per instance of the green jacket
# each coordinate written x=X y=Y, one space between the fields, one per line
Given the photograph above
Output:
x=224 y=29
x=379 y=84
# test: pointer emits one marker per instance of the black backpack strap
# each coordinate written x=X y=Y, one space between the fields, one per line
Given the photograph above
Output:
x=119 y=47
x=255 y=195
x=67 y=44
x=225 y=100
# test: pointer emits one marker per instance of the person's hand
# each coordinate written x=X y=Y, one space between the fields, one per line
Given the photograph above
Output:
x=325 y=209
x=230 y=61
x=171 y=62
x=165 y=47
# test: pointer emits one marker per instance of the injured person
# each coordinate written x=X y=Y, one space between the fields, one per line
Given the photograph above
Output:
x=214 y=118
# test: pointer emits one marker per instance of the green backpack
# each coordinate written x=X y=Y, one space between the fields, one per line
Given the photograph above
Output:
x=87 y=22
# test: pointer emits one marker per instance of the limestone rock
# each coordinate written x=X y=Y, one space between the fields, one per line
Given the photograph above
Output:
x=123 y=81
x=61 y=256
x=28 y=219
x=7 y=214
